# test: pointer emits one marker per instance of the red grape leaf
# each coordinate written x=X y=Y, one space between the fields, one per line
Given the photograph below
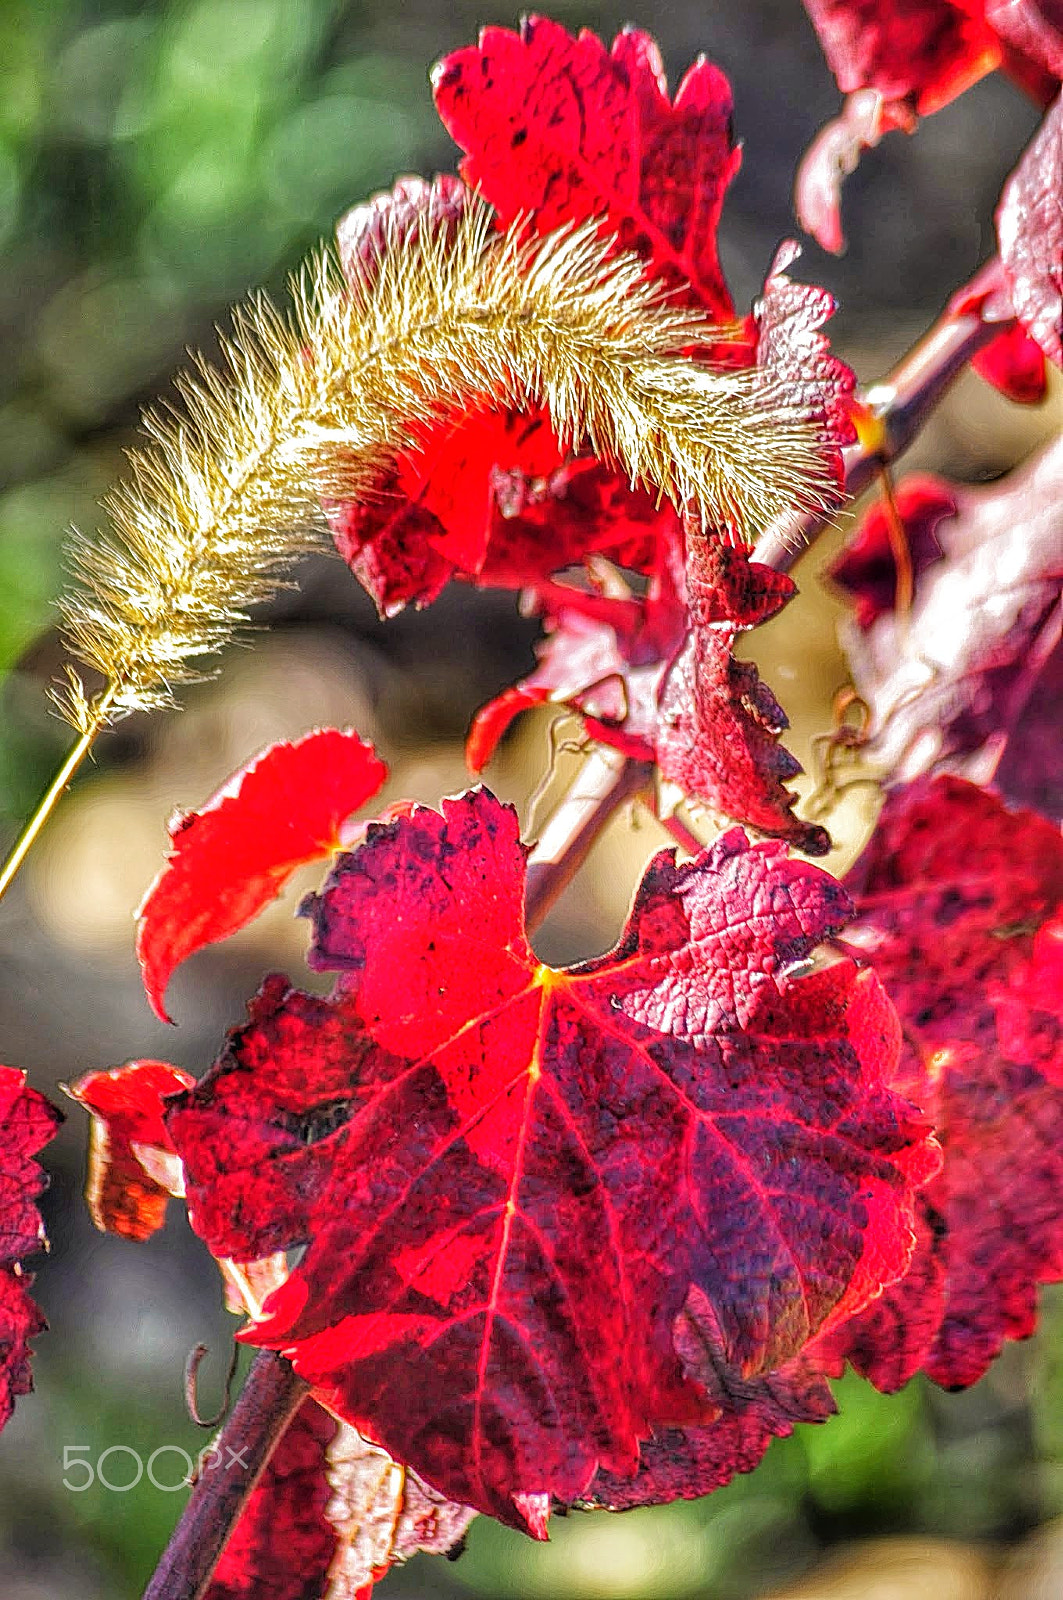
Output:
x=718 y=724
x=1012 y=362
x=867 y=567
x=492 y=499
x=1030 y=229
x=283 y=1544
x=124 y=1195
x=235 y=854
x=505 y=1174
x=949 y=684
x=382 y=1514
x=897 y=60
x=488 y=496
x=950 y=894
x=662 y=684
x=922 y=53
x=561 y=130
x=27 y=1122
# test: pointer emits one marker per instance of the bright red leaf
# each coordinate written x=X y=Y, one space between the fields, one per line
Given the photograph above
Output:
x=950 y=684
x=658 y=680
x=493 y=499
x=505 y=1175
x=235 y=854
x=1015 y=365
x=133 y=1171
x=1030 y=228
x=283 y=1544
x=27 y=1122
x=951 y=893
x=562 y=130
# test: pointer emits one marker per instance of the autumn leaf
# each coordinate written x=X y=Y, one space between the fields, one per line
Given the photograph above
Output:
x=490 y=496
x=1030 y=228
x=505 y=1174
x=283 y=1544
x=232 y=857
x=560 y=129
x=950 y=683
x=656 y=678
x=958 y=904
x=788 y=320
x=899 y=60
x=919 y=53
x=27 y=1122
x=133 y=1170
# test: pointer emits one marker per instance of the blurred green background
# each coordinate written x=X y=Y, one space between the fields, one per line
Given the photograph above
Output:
x=156 y=161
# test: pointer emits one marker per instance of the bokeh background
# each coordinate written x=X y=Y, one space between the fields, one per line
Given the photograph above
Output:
x=157 y=160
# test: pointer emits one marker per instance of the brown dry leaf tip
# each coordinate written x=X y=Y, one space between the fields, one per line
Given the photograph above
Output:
x=317 y=402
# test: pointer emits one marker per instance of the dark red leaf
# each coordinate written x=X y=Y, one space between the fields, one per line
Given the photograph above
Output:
x=919 y=52
x=505 y=1175
x=661 y=683
x=235 y=855
x=1030 y=229
x=897 y=60
x=27 y=1122
x=1030 y=772
x=950 y=894
x=562 y=130
x=124 y=1195
x=283 y=1544
x=867 y=567
x=718 y=724
x=949 y=684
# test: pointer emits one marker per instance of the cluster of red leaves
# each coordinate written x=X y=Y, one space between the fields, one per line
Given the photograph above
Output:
x=560 y=130
x=713 y=1149
x=27 y=1122
x=897 y=60
x=965 y=679
x=960 y=907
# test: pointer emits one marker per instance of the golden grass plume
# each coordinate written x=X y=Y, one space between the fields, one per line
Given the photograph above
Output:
x=317 y=403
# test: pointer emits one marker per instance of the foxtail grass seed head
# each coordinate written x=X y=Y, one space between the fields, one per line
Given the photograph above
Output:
x=318 y=402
